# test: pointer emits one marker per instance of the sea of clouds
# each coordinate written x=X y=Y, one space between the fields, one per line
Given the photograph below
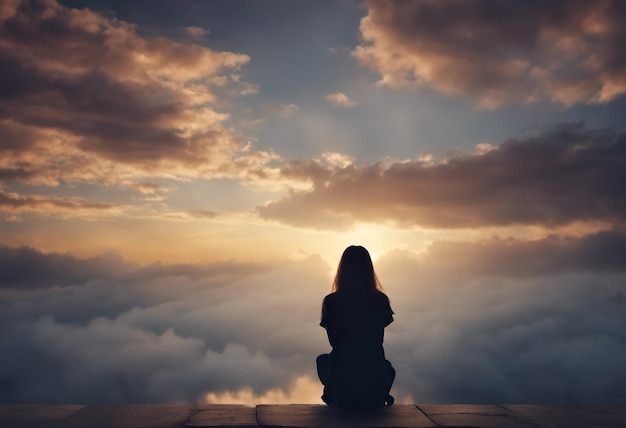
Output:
x=103 y=329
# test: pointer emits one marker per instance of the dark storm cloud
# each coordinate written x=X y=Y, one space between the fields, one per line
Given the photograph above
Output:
x=564 y=174
x=499 y=52
x=85 y=97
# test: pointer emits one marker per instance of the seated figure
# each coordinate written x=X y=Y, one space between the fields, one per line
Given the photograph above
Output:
x=356 y=374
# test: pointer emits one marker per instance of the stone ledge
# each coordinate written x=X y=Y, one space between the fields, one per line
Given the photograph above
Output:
x=310 y=416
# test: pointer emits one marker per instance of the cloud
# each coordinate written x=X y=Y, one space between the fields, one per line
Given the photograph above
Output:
x=447 y=261
x=107 y=330
x=341 y=100
x=204 y=213
x=303 y=390
x=195 y=32
x=26 y=268
x=555 y=339
x=95 y=330
x=283 y=111
x=499 y=52
x=597 y=252
x=85 y=97
x=557 y=176
x=12 y=202
x=468 y=330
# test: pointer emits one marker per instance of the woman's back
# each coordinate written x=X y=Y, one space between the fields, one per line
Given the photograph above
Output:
x=356 y=323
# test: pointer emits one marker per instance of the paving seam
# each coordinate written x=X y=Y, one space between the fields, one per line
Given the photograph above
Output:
x=520 y=418
x=191 y=413
x=62 y=421
x=420 y=409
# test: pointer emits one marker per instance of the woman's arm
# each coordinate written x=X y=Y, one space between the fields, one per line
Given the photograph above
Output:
x=333 y=336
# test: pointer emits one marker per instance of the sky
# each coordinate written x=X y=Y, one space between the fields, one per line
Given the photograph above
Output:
x=179 y=179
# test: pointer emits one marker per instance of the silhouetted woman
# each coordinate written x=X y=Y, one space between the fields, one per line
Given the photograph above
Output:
x=355 y=314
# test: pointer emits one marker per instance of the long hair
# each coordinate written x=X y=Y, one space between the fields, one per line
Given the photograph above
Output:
x=355 y=273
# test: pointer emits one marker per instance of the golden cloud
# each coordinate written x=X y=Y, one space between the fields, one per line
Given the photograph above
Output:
x=556 y=177
x=84 y=97
x=496 y=53
x=12 y=202
x=341 y=100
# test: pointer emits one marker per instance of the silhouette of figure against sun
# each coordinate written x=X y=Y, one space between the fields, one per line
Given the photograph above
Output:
x=356 y=374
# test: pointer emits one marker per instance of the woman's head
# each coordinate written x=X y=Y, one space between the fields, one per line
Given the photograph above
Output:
x=355 y=272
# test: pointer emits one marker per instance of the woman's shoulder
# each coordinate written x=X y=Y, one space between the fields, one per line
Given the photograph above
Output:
x=329 y=298
x=380 y=296
x=336 y=300
x=382 y=301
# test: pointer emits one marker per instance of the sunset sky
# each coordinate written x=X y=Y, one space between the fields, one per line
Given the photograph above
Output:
x=179 y=178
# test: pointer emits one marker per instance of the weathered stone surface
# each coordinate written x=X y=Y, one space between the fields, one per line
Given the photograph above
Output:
x=223 y=415
x=399 y=415
x=608 y=415
x=130 y=416
x=32 y=416
x=554 y=416
x=465 y=415
x=310 y=416
x=303 y=415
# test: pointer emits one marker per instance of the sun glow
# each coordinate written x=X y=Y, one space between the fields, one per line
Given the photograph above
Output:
x=379 y=239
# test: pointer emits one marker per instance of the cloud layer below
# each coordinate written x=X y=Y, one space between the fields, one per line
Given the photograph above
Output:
x=107 y=330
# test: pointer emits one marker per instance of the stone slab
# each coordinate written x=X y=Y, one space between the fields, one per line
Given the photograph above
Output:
x=304 y=416
x=310 y=416
x=33 y=416
x=616 y=411
x=561 y=416
x=399 y=415
x=469 y=415
x=130 y=416
x=223 y=415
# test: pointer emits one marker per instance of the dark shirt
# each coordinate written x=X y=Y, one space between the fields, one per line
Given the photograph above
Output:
x=356 y=323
